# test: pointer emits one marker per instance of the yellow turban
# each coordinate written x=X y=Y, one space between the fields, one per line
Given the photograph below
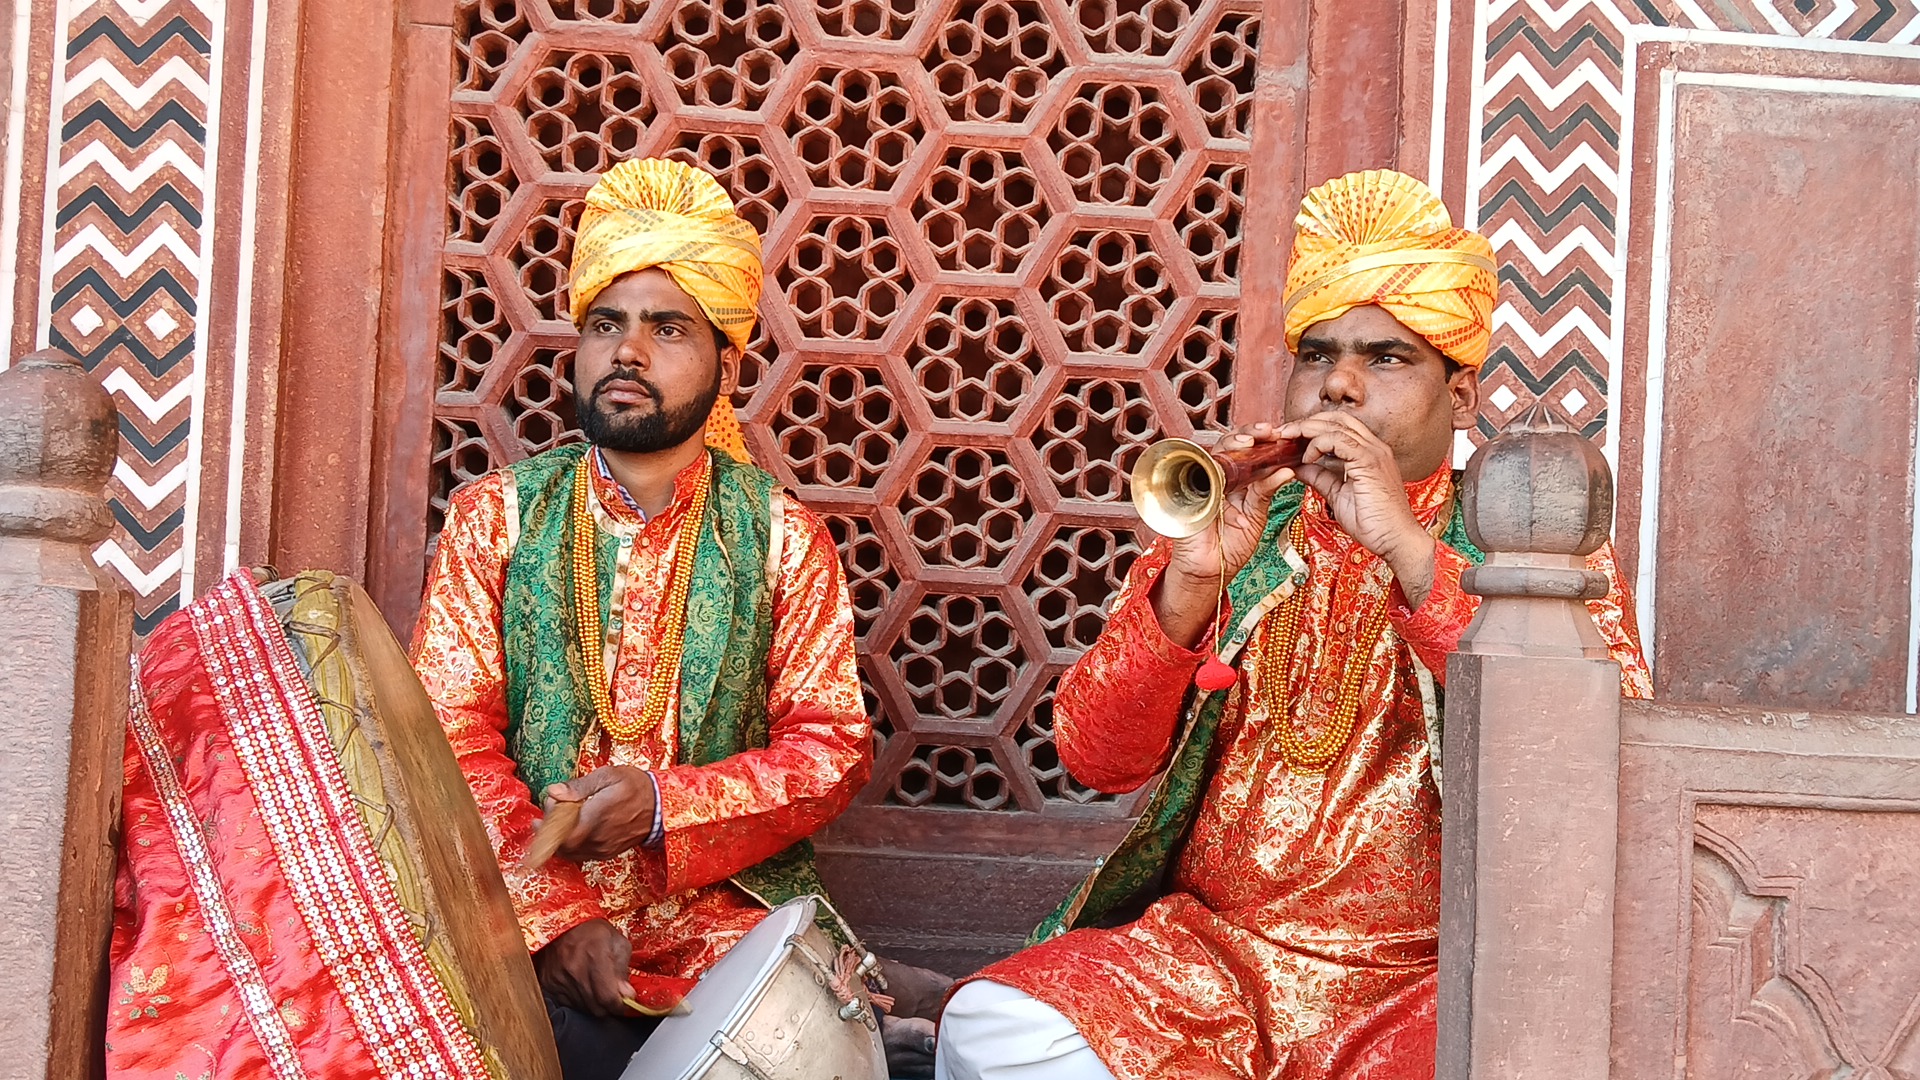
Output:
x=644 y=214
x=1383 y=238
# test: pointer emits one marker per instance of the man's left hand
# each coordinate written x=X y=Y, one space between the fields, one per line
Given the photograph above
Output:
x=1366 y=495
x=616 y=811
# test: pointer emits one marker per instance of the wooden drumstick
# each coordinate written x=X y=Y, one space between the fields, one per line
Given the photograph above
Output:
x=553 y=832
x=678 y=1008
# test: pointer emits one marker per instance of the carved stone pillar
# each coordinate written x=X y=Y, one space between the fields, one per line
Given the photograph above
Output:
x=65 y=632
x=1532 y=765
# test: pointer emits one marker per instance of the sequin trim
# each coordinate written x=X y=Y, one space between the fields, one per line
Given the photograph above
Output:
x=510 y=510
x=776 y=538
x=345 y=896
x=263 y=1016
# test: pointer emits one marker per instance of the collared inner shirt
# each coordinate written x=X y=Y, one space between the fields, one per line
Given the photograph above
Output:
x=659 y=831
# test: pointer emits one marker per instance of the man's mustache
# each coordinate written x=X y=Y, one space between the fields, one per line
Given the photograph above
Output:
x=624 y=377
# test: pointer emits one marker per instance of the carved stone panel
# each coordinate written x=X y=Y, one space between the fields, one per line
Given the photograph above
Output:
x=1764 y=922
x=1805 y=952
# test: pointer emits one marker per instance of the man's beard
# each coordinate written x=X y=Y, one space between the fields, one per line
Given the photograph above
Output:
x=637 y=429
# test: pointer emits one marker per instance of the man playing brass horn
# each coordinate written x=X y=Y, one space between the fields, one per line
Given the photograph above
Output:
x=1289 y=859
x=644 y=624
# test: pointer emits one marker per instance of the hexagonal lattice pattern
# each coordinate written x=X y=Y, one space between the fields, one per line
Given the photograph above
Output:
x=1209 y=223
x=981 y=211
x=1221 y=76
x=756 y=190
x=1109 y=292
x=853 y=128
x=1142 y=28
x=938 y=182
x=964 y=508
x=1117 y=143
x=1201 y=370
x=727 y=55
x=606 y=11
x=1074 y=579
x=473 y=327
x=491 y=33
x=959 y=657
x=870 y=573
x=845 y=278
x=994 y=60
x=460 y=454
x=962 y=776
x=1091 y=434
x=540 y=407
x=542 y=253
x=974 y=360
x=839 y=426
x=885 y=20
x=585 y=111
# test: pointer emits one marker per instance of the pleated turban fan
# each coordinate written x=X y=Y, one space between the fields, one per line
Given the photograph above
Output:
x=643 y=214
x=1383 y=238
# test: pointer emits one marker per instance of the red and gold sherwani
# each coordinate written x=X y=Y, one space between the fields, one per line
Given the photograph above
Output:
x=1296 y=935
x=673 y=900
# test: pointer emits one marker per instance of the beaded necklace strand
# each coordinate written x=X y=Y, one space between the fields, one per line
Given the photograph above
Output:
x=664 y=662
x=1303 y=754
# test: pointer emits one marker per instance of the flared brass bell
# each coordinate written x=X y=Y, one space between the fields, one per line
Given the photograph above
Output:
x=1178 y=487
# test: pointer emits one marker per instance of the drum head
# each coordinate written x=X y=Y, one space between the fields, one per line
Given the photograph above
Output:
x=682 y=1045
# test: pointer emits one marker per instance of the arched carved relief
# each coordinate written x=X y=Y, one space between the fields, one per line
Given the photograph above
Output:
x=1003 y=253
x=1803 y=945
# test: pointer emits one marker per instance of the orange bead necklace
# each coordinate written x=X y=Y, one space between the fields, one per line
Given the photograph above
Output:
x=1300 y=752
x=663 y=663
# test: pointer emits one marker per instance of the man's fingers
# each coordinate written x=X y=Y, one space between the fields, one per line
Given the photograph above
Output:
x=1322 y=479
x=1261 y=491
x=612 y=988
x=579 y=844
x=1337 y=444
x=1327 y=423
x=561 y=984
x=586 y=787
x=1247 y=435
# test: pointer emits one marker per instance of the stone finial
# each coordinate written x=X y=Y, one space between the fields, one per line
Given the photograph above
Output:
x=1538 y=489
x=1531 y=746
x=58 y=434
x=63 y=674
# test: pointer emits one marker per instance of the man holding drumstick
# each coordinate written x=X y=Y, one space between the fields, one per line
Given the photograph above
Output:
x=646 y=627
x=1289 y=860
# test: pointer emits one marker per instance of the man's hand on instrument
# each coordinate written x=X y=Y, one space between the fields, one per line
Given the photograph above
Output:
x=1184 y=602
x=616 y=811
x=1354 y=470
x=586 y=968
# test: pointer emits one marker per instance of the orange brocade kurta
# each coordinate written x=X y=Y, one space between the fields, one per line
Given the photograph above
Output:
x=673 y=901
x=1296 y=938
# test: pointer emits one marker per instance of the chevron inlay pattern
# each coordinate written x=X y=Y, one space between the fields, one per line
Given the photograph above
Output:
x=1547 y=178
x=127 y=260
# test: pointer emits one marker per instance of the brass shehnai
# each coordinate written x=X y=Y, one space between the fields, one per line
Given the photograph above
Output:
x=1180 y=487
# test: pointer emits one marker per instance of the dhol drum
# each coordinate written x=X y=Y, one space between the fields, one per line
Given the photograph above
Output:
x=778 y=1006
x=307 y=887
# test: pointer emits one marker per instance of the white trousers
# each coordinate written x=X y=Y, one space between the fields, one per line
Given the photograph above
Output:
x=993 y=1032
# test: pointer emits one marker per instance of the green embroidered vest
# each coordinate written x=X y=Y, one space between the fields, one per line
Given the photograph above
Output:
x=723 y=667
x=1133 y=872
